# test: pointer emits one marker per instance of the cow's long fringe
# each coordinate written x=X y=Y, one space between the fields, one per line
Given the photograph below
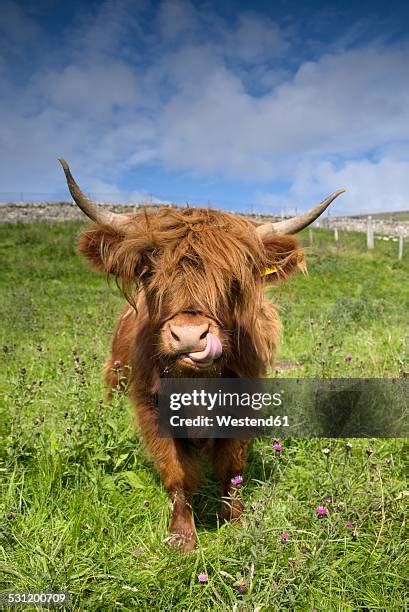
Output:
x=199 y=260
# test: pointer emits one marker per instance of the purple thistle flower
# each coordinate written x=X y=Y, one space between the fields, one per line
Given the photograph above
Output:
x=117 y=364
x=202 y=577
x=321 y=511
x=348 y=357
x=237 y=481
x=349 y=525
x=277 y=447
x=284 y=537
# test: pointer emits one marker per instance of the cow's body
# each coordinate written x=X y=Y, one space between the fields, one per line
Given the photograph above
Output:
x=133 y=365
x=194 y=280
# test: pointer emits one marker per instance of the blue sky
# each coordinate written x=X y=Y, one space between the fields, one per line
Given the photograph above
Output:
x=246 y=105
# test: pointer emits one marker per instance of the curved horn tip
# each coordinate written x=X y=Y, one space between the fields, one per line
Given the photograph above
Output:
x=65 y=167
x=95 y=212
x=296 y=224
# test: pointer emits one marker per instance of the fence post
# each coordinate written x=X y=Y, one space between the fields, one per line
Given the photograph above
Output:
x=369 y=233
x=400 y=250
x=336 y=234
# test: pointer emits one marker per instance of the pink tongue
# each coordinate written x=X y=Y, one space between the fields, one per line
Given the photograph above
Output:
x=212 y=351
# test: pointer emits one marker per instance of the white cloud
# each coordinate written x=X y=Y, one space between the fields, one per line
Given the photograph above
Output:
x=371 y=187
x=95 y=88
x=344 y=104
x=255 y=40
x=181 y=87
x=106 y=29
x=102 y=191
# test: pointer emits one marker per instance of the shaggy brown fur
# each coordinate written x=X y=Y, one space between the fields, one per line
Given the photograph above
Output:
x=190 y=267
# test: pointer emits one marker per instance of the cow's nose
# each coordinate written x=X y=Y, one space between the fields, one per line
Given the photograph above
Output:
x=188 y=338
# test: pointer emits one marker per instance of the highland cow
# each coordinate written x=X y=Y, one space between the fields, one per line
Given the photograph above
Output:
x=194 y=281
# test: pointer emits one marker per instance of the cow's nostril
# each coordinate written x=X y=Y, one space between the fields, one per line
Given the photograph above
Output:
x=174 y=336
x=203 y=336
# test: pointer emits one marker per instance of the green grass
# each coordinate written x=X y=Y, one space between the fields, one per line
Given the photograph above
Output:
x=353 y=301
x=81 y=508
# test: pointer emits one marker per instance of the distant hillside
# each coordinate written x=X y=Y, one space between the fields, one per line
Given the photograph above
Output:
x=397 y=215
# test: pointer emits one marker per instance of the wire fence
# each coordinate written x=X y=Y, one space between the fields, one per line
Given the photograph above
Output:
x=378 y=230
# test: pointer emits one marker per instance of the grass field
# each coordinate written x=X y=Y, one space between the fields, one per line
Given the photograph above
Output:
x=82 y=510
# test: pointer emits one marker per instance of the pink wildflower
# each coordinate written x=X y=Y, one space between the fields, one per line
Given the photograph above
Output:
x=202 y=577
x=321 y=511
x=284 y=537
x=237 y=481
x=277 y=447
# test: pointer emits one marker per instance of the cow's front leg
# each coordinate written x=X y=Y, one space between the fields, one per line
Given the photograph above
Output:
x=180 y=475
x=182 y=532
x=229 y=460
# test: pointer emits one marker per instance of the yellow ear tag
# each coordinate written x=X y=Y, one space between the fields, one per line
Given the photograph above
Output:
x=268 y=271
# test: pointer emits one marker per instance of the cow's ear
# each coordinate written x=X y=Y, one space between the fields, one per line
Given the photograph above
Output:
x=107 y=251
x=99 y=245
x=284 y=256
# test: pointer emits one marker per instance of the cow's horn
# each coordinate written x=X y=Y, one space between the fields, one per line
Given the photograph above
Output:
x=296 y=224
x=92 y=210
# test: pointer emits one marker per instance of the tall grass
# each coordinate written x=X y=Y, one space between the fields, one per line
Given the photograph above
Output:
x=81 y=508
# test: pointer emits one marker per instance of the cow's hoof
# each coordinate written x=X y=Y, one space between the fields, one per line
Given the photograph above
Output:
x=185 y=542
x=232 y=511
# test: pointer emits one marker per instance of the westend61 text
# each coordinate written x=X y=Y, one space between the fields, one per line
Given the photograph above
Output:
x=228 y=421
x=204 y=399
